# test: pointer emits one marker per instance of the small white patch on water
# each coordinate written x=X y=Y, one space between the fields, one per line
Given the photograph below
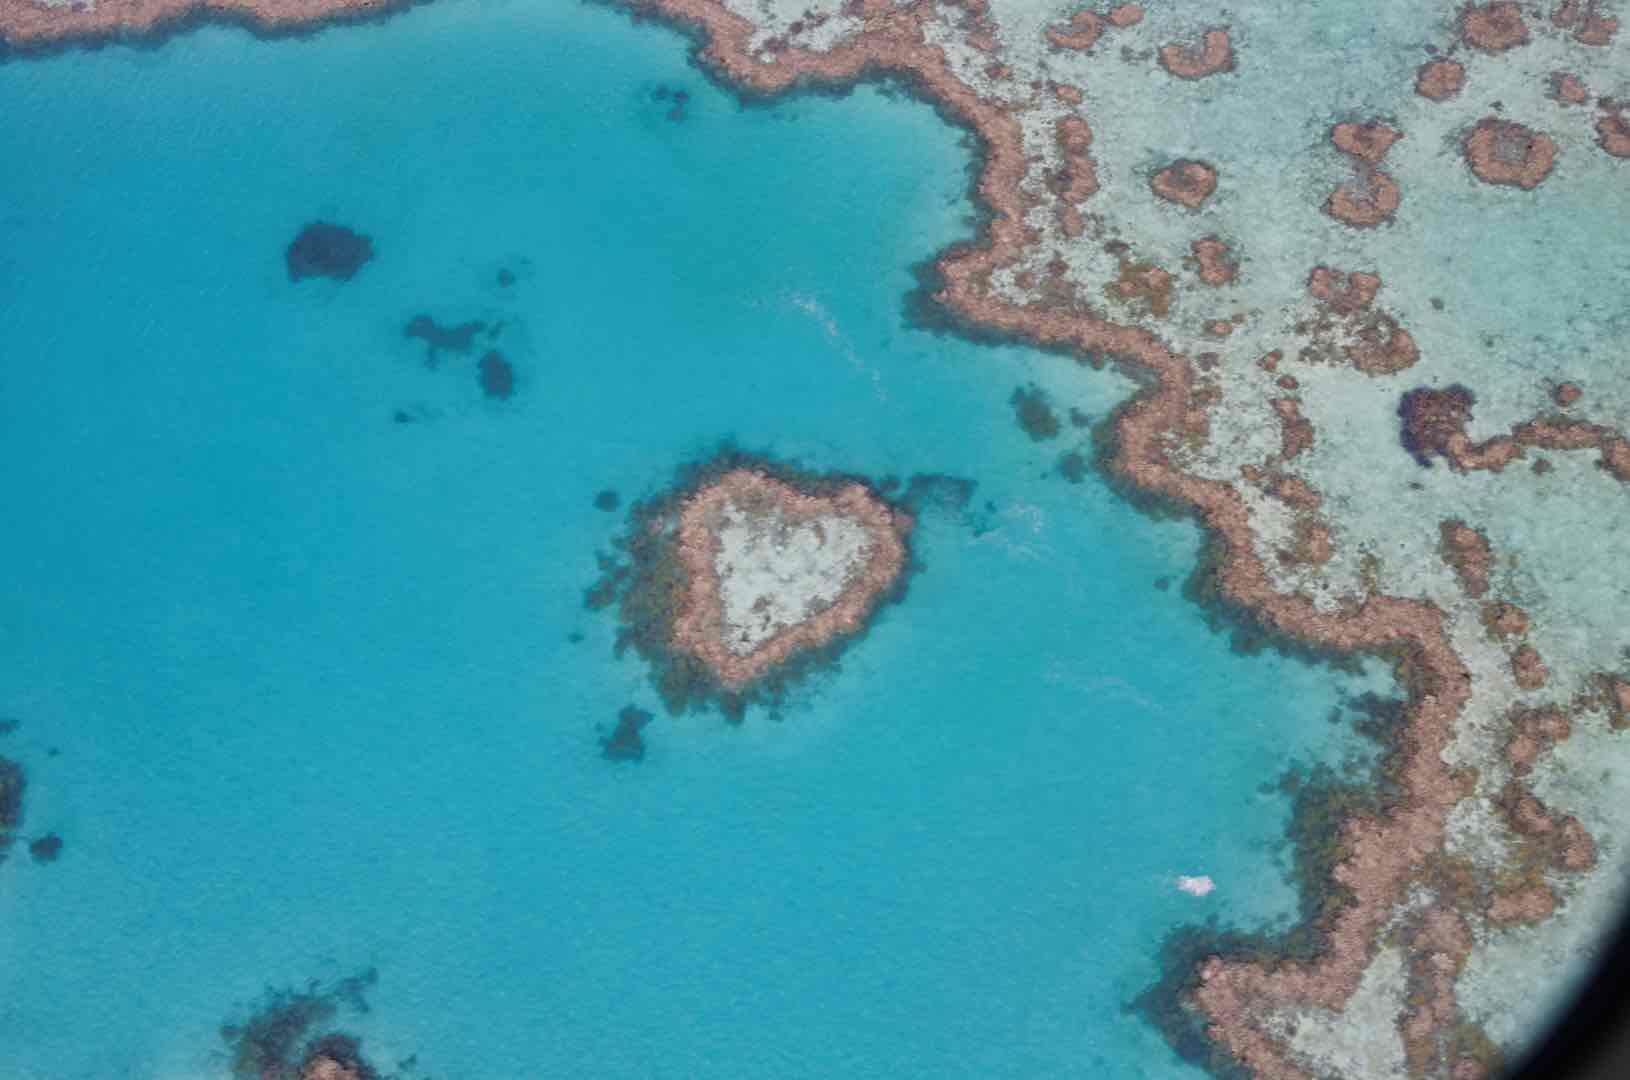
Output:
x=1196 y=886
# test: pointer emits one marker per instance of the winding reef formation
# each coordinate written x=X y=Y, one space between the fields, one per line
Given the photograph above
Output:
x=1454 y=904
x=37 y=24
x=1423 y=879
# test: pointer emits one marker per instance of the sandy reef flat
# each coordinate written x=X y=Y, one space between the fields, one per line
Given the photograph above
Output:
x=1377 y=313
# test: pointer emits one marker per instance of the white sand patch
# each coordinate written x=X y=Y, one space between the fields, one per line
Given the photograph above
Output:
x=1362 y=1039
x=775 y=573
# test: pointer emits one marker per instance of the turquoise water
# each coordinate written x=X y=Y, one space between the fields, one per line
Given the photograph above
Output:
x=296 y=681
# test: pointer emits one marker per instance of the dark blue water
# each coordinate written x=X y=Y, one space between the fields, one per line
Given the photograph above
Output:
x=309 y=669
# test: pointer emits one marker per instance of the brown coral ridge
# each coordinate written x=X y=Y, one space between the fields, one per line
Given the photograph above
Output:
x=27 y=25
x=1616 y=696
x=1507 y=153
x=1467 y=552
x=1083 y=29
x=1124 y=15
x=1434 y=424
x=1493 y=27
x=1432 y=419
x=1528 y=668
x=1534 y=732
x=1370 y=340
x=1439 y=80
x=1295 y=430
x=1078 y=179
x=1370 y=200
x=1379 y=853
x=1185 y=182
x=1367 y=141
x=1375 y=196
x=1585 y=20
x=1079 y=33
x=1504 y=620
x=1568 y=88
x=1613 y=130
x=1437 y=942
x=1144 y=286
x=1212 y=56
x=1546 y=841
x=1213 y=261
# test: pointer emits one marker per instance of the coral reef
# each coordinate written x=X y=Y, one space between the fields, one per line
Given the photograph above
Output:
x=437 y=338
x=746 y=574
x=1493 y=27
x=1213 y=262
x=1502 y=152
x=1035 y=413
x=323 y=249
x=1410 y=878
x=625 y=743
x=496 y=375
x=13 y=782
x=1213 y=55
x=1187 y=183
x=45 y=849
x=1439 y=80
x=36 y=24
x=283 y=1038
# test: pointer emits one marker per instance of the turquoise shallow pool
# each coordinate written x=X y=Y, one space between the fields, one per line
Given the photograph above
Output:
x=288 y=613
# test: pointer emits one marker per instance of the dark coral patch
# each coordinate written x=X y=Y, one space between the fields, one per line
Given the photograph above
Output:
x=1034 y=413
x=625 y=742
x=1073 y=466
x=326 y=250
x=276 y=1042
x=676 y=99
x=1429 y=418
x=45 y=849
x=941 y=493
x=496 y=374
x=456 y=338
x=13 y=781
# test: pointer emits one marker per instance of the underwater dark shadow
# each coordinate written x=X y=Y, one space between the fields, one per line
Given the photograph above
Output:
x=1591 y=1041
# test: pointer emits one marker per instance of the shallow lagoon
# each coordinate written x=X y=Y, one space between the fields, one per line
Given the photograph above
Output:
x=309 y=670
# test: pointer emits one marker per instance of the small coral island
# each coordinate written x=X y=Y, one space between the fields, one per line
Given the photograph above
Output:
x=284 y=1039
x=746 y=573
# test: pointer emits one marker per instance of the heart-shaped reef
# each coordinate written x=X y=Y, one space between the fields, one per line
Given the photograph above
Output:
x=745 y=574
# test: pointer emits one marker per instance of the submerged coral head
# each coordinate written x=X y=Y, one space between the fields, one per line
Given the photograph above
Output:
x=323 y=249
x=772 y=570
